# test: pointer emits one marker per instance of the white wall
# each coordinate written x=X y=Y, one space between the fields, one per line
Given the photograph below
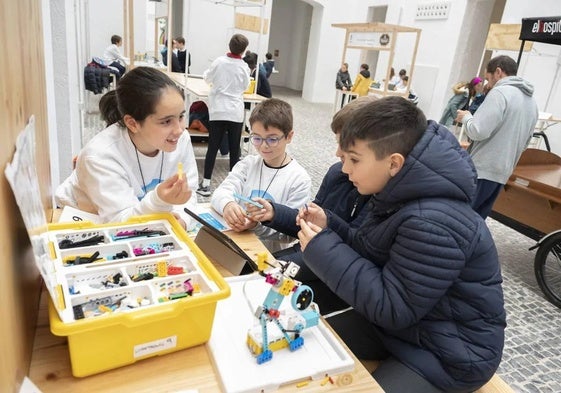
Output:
x=208 y=28
x=290 y=30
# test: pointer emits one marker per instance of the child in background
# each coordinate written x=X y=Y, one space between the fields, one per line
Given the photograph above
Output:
x=271 y=175
x=421 y=272
x=269 y=64
x=130 y=168
x=362 y=81
x=229 y=77
x=112 y=55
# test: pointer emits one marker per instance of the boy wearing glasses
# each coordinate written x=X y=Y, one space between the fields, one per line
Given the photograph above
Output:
x=337 y=194
x=271 y=175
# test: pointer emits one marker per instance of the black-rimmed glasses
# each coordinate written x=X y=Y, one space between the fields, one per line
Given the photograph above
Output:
x=257 y=140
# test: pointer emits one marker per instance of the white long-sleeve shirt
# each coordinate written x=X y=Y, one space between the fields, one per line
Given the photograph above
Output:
x=289 y=185
x=109 y=182
x=112 y=53
x=229 y=78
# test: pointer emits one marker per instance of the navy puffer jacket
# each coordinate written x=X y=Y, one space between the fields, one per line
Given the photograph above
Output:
x=423 y=268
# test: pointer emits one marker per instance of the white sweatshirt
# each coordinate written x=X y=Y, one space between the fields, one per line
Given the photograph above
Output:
x=229 y=78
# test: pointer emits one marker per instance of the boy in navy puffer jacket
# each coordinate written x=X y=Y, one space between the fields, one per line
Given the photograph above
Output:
x=422 y=270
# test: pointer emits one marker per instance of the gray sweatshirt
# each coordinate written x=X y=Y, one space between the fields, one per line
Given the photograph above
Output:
x=501 y=128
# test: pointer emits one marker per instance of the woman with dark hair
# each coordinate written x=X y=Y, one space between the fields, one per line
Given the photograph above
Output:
x=131 y=167
x=476 y=94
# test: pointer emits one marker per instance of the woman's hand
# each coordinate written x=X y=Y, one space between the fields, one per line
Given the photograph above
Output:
x=307 y=232
x=257 y=214
x=174 y=191
x=312 y=213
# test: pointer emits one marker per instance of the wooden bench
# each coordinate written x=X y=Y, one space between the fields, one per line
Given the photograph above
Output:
x=495 y=385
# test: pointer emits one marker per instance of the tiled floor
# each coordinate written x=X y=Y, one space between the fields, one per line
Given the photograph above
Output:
x=532 y=354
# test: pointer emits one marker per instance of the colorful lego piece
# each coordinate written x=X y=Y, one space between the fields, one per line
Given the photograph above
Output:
x=289 y=324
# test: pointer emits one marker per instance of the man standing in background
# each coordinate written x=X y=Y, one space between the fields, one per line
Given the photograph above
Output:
x=500 y=130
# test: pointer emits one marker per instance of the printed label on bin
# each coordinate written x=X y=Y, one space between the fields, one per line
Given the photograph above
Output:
x=155 y=346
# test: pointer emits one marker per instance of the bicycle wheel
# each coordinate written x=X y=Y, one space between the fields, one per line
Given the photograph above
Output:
x=547 y=268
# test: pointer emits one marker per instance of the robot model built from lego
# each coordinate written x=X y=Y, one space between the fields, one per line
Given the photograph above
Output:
x=289 y=323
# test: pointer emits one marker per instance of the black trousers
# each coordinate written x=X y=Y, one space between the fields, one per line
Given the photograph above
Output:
x=362 y=338
x=215 y=134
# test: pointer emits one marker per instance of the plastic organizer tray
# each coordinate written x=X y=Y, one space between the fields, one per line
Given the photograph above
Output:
x=134 y=290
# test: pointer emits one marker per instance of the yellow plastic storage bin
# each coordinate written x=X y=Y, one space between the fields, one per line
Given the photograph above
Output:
x=162 y=322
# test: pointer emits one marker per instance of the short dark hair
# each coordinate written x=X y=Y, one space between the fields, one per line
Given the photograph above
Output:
x=346 y=113
x=137 y=94
x=238 y=44
x=115 y=39
x=389 y=125
x=402 y=72
x=273 y=113
x=251 y=60
x=180 y=40
x=364 y=65
x=268 y=56
x=505 y=63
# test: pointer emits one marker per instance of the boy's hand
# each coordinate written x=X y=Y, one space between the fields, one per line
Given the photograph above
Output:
x=313 y=214
x=235 y=217
x=256 y=214
x=174 y=190
x=307 y=232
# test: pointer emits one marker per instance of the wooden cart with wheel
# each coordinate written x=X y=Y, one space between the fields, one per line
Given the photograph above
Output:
x=531 y=204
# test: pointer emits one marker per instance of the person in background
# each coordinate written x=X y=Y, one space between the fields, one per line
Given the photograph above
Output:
x=112 y=55
x=500 y=129
x=270 y=175
x=183 y=56
x=263 y=86
x=131 y=167
x=269 y=64
x=229 y=77
x=394 y=79
x=458 y=101
x=421 y=272
x=362 y=81
x=402 y=83
x=336 y=194
x=343 y=80
x=476 y=89
x=175 y=65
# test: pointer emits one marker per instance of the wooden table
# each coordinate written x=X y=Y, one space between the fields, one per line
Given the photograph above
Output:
x=186 y=369
x=197 y=89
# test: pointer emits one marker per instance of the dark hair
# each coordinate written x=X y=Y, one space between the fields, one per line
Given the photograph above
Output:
x=365 y=66
x=268 y=56
x=389 y=125
x=137 y=94
x=180 y=40
x=251 y=60
x=273 y=113
x=392 y=72
x=402 y=72
x=471 y=87
x=115 y=39
x=238 y=44
x=347 y=112
x=108 y=108
x=505 y=63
